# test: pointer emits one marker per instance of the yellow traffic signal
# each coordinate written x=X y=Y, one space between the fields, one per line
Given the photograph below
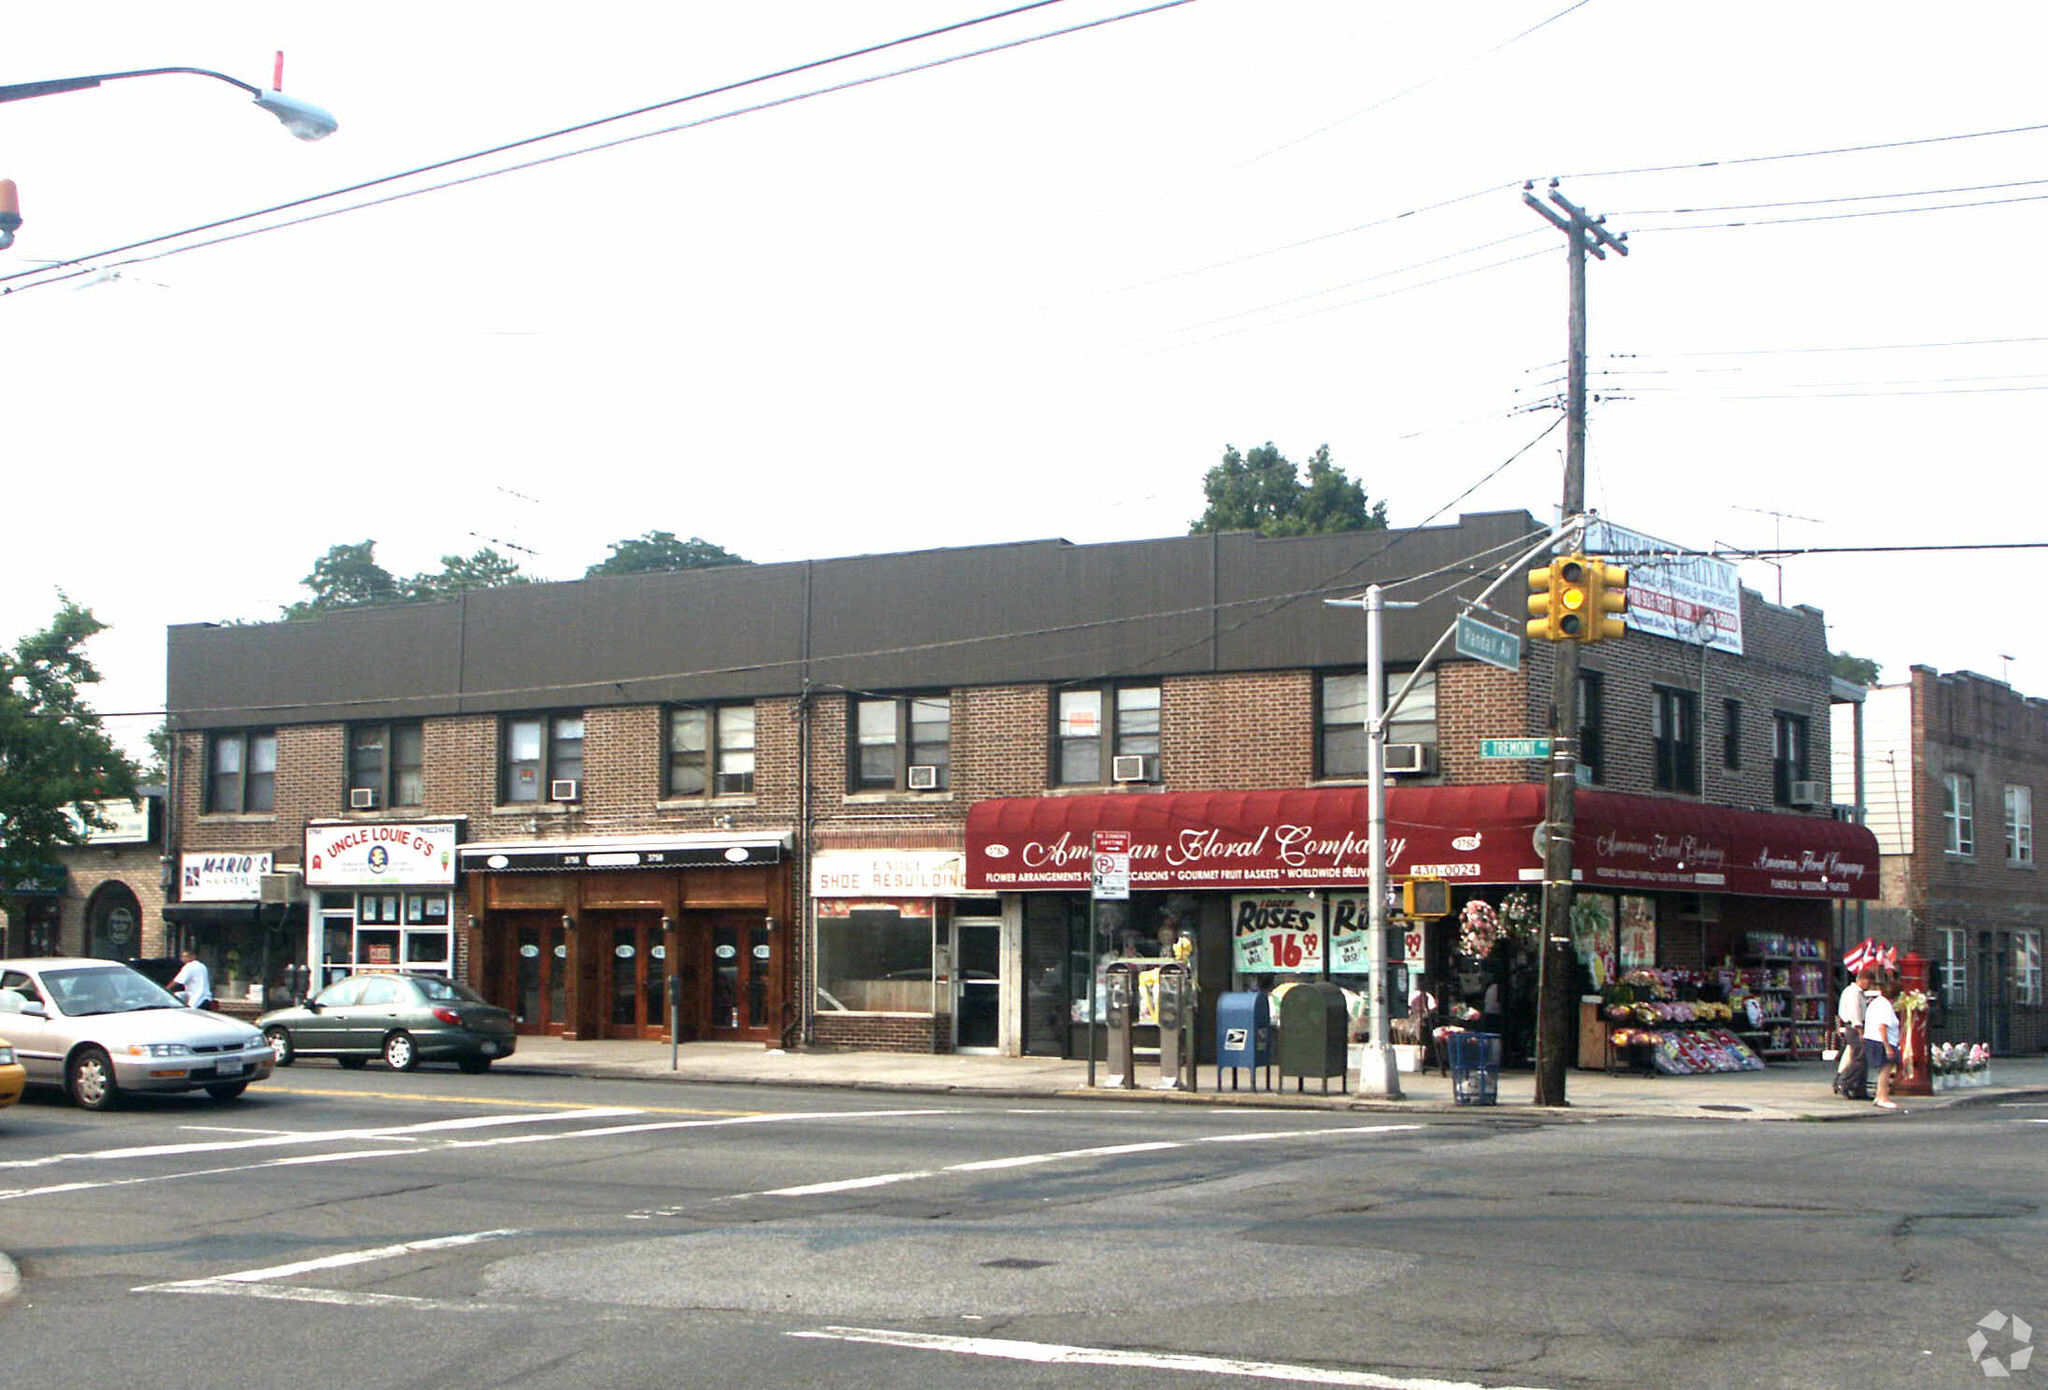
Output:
x=1560 y=601
x=1607 y=587
x=1425 y=897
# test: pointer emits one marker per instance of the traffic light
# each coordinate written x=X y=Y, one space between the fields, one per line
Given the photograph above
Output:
x=1559 y=600
x=1425 y=897
x=1607 y=599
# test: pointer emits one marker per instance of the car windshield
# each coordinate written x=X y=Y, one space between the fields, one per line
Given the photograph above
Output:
x=104 y=989
x=440 y=991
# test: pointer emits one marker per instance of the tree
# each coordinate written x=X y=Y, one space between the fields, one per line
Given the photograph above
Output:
x=1263 y=492
x=1858 y=670
x=54 y=756
x=347 y=576
x=660 y=550
x=486 y=569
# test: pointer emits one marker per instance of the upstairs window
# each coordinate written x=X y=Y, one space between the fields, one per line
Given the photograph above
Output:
x=1674 y=740
x=241 y=772
x=711 y=750
x=1788 y=756
x=1341 y=719
x=2019 y=825
x=1593 y=724
x=1731 y=735
x=384 y=766
x=900 y=743
x=1959 y=813
x=541 y=753
x=1096 y=726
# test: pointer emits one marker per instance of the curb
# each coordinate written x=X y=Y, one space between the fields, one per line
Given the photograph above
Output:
x=10 y=1279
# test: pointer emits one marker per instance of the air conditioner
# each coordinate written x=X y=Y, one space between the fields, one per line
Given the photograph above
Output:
x=923 y=778
x=565 y=789
x=1409 y=757
x=362 y=798
x=1804 y=794
x=1133 y=767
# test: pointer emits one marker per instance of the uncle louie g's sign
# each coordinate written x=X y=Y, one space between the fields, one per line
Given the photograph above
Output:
x=404 y=856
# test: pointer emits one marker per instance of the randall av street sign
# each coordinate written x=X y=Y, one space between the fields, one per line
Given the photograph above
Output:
x=1488 y=644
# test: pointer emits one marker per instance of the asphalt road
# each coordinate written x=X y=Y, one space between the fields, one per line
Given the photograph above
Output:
x=372 y=1229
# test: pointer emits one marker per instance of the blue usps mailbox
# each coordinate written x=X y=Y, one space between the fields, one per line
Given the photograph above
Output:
x=1244 y=1036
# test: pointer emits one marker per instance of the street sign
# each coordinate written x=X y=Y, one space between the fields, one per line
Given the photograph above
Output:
x=1523 y=748
x=1111 y=879
x=1488 y=644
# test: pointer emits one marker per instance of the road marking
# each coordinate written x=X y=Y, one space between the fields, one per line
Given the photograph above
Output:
x=1053 y=1354
x=270 y=1087
x=988 y=1165
x=257 y=1283
x=236 y=1129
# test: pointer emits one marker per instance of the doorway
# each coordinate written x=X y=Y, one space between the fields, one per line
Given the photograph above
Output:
x=632 y=956
x=741 y=975
x=977 y=985
x=535 y=979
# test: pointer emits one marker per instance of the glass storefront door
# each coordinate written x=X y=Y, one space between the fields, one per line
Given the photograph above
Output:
x=540 y=966
x=977 y=985
x=635 y=970
x=742 y=971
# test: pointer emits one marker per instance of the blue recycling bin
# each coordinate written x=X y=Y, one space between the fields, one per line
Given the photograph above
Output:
x=1475 y=1068
x=1244 y=1036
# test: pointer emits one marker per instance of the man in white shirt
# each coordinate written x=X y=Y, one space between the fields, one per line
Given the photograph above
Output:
x=192 y=981
x=1851 y=1077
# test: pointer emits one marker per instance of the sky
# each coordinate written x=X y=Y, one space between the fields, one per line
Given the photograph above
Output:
x=1031 y=293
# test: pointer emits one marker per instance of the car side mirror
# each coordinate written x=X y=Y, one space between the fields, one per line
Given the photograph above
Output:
x=34 y=1011
x=312 y=1005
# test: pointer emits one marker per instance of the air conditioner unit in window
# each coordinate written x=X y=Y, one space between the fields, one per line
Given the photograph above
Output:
x=923 y=778
x=1133 y=767
x=565 y=789
x=1409 y=757
x=1804 y=794
x=362 y=798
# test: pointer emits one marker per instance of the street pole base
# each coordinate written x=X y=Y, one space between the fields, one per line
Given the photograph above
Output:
x=1377 y=1073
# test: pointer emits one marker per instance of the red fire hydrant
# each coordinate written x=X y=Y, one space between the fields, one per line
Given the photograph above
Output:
x=1915 y=1076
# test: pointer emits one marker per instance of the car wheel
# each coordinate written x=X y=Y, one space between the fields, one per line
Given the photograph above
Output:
x=227 y=1090
x=281 y=1043
x=92 y=1080
x=353 y=1063
x=474 y=1065
x=399 y=1053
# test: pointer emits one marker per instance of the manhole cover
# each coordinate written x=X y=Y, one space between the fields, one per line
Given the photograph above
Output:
x=1739 y=1109
x=1014 y=1263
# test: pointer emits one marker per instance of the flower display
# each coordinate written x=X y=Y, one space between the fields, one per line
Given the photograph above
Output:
x=1478 y=928
x=1520 y=917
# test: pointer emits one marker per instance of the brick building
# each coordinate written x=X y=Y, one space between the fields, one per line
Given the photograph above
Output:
x=108 y=898
x=1950 y=765
x=781 y=785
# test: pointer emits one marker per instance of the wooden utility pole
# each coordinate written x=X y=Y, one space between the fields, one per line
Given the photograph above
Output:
x=1555 y=1021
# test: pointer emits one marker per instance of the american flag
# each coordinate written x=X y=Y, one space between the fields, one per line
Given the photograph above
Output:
x=1888 y=958
x=1864 y=953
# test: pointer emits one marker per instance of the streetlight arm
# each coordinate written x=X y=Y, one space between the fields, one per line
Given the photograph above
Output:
x=301 y=118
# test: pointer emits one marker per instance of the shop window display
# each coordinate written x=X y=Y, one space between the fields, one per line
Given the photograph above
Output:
x=874 y=959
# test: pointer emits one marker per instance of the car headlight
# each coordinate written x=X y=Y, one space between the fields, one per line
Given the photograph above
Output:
x=159 y=1050
x=6 y=1056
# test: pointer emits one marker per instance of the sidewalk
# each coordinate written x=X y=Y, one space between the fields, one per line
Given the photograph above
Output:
x=1797 y=1091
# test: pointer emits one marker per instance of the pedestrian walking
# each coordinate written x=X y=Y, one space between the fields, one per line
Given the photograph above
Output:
x=192 y=981
x=1852 y=1078
x=1881 y=1037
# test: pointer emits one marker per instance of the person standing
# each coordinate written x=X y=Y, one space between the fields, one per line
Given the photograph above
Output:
x=1881 y=1037
x=1852 y=1078
x=192 y=981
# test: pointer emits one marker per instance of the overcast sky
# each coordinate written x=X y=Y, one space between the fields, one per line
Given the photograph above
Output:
x=1033 y=293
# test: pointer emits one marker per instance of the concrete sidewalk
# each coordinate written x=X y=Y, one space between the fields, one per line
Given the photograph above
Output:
x=1795 y=1091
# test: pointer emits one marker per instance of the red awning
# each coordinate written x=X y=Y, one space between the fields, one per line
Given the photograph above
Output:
x=1316 y=837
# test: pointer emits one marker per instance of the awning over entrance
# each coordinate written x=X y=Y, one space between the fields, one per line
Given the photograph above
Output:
x=242 y=914
x=707 y=850
x=1316 y=837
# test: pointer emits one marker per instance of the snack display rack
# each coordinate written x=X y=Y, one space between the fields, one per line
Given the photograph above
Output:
x=1788 y=977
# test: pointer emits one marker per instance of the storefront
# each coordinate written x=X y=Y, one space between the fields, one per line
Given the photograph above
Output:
x=581 y=938
x=253 y=949
x=384 y=896
x=902 y=959
x=1269 y=883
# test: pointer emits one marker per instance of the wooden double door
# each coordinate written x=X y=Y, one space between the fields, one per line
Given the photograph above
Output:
x=607 y=975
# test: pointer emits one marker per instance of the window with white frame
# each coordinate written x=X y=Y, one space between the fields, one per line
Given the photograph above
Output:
x=241 y=771
x=1341 y=749
x=2026 y=967
x=890 y=736
x=1955 y=967
x=2019 y=825
x=710 y=750
x=1959 y=812
x=536 y=753
x=1096 y=725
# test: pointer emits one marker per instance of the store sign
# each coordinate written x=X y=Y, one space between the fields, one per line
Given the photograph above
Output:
x=358 y=855
x=222 y=878
x=127 y=823
x=1674 y=593
x=841 y=873
x=1285 y=933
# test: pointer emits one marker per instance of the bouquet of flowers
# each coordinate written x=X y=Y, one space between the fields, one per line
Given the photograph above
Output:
x=1520 y=917
x=1478 y=928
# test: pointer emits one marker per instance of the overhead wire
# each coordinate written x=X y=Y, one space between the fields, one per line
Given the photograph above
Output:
x=1805 y=154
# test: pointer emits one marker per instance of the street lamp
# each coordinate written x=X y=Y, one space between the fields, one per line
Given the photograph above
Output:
x=301 y=118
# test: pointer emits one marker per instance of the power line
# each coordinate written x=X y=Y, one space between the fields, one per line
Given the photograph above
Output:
x=1808 y=154
x=1846 y=216
x=1846 y=347
x=1816 y=202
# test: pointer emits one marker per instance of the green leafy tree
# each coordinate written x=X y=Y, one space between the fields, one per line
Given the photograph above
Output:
x=347 y=576
x=54 y=756
x=660 y=550
x=486 y=569
x=1859 y=670
x=1262 y=491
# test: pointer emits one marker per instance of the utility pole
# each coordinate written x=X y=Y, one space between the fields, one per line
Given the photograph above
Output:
x=1554 y=1001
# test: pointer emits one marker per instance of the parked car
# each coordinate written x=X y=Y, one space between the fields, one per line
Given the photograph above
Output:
x=405 y=1019
x=97 y=1028
x=13 y=1076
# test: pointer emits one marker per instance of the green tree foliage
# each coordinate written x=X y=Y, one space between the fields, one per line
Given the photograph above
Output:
x=1860 y=670
x=486 y=569
x=54 y=756
x=660 y=550
x=348 y=576
x=1262 y=491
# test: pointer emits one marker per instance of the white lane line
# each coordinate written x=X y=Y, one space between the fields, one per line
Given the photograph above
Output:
x=320 y=1136
x=237 y=1129
x=990 y=1165
x=346 y=1298
x=259 y=1283
x=59 y=1189
x=1054 y=1354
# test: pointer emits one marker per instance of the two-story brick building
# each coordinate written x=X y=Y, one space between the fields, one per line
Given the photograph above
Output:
x=803 y=791
x=106 y=898
x=1950 y=766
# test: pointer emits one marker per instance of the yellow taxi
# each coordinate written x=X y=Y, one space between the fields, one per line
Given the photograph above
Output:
x=13 y=1076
